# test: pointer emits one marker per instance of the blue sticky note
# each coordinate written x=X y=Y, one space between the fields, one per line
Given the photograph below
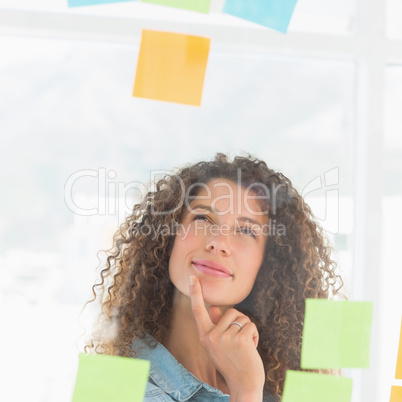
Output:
x=78 y=3
x=275 y=14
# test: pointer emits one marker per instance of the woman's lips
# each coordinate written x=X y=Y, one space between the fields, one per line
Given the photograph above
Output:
x=211 y=268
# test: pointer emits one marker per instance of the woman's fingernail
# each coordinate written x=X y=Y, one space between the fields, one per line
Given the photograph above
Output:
x=192 y=279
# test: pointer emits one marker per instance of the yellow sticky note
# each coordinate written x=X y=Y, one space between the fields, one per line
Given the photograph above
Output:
x=171 y=67
x=396 y=394
x=398 y=371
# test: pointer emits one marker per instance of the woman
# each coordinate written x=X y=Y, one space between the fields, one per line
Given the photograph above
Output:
x=208 y=279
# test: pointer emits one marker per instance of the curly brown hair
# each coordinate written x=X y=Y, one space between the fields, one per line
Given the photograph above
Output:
x=136 y=293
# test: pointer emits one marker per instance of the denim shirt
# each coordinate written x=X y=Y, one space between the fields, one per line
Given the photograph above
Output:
x=170 y=381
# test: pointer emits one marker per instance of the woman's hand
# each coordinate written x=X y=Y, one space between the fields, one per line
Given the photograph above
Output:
x=231 y=349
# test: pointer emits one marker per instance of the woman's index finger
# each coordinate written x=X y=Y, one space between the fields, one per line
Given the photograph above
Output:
x=200 y=312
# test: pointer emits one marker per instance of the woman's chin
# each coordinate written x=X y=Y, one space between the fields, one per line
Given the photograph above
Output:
x=221 y=302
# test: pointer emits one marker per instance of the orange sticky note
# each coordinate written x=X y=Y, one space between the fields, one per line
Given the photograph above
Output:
x=398 y=371
x=396 y=394
x=171 y=67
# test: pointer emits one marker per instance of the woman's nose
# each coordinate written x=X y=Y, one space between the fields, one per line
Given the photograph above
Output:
x=218 y=243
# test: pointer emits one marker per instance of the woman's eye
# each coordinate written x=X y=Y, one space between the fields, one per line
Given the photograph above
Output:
x=200 y=218
x=248 y=231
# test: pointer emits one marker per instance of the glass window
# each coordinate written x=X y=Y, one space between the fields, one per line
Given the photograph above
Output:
x=390 y=313
x=321 y=16
x=324 y=16
x=393 y=138
x=394 y=16
x=66 y=108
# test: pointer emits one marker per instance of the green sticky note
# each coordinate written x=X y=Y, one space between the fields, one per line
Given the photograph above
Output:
x=103 y=378
x=201 y=6
x=301 y=386
x=336 y=334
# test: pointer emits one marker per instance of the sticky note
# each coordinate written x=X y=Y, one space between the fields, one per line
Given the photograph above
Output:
x=336 y=334
x=312 y=387
x=78 y=3
x=171 y=67
x=275 y=14
x=201 y=6
x=396 y=394
x=103 y=378
x=398 y=371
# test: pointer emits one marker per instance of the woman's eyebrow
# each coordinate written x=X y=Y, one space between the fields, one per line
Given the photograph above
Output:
x=206 y=207
x=241 y=218
x=251 y=220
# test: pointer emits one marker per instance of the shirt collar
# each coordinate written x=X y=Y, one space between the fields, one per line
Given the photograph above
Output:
x=167 y=373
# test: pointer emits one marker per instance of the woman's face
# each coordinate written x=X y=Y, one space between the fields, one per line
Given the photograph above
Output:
x=221 y=240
